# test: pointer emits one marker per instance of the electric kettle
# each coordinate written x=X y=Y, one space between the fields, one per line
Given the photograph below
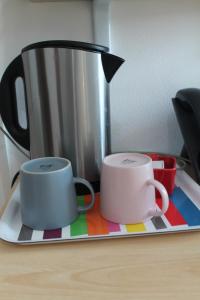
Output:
x=67 y=102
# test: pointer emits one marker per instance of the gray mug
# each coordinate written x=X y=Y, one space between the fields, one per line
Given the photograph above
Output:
x=47 y=191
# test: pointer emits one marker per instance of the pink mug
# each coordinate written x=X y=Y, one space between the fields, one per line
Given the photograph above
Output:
x=128 y=189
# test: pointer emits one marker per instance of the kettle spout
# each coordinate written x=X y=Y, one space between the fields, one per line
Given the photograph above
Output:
x=111 y=64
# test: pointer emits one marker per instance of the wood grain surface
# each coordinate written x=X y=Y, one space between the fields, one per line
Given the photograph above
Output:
x=154 y=267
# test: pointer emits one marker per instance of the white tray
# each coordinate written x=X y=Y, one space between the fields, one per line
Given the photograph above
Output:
x=182 y=215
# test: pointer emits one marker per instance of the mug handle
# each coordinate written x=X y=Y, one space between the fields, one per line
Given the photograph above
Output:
x=164 y=196
x=88 y=185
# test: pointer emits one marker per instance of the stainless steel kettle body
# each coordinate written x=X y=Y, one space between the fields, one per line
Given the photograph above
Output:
x=67 y=98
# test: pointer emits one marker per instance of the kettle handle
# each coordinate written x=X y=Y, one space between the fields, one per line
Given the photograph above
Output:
x=8 y=102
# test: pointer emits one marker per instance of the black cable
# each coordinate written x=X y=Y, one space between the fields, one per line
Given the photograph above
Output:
x=13 y=142
x=14 y=179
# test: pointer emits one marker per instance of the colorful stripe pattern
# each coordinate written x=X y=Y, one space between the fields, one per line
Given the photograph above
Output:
x=182 y=213
x=79 y=227
x=186 y=207
x=158 y=223
x=25 y=233
x=96 y=224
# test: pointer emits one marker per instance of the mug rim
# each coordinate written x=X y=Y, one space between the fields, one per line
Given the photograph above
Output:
x=106 y=160
x=22 y=167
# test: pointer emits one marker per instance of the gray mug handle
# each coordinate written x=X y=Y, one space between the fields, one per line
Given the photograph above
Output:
x=88 y=185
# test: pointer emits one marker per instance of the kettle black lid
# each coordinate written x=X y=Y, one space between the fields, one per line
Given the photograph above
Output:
x=67 y=44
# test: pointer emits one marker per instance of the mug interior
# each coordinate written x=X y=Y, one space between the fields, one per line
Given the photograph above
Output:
x=127 y=160
x=45 y=165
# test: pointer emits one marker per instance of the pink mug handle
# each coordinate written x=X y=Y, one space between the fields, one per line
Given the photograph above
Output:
x=164 y=196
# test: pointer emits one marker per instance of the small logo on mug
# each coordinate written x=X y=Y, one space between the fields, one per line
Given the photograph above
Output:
x=45 y=167
x=128 y=161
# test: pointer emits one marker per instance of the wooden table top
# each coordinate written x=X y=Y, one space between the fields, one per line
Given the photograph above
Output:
x=153 y=267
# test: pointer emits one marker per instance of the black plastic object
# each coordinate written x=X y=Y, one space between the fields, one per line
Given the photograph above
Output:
x=14 y=179
x=187 y=108
x=67 y=44
x=111 y=64
x=8 y=102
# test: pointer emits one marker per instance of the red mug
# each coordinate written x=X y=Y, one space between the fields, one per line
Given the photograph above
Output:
x=167 y=175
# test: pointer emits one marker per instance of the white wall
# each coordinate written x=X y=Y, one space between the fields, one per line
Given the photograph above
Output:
x=160 y=41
